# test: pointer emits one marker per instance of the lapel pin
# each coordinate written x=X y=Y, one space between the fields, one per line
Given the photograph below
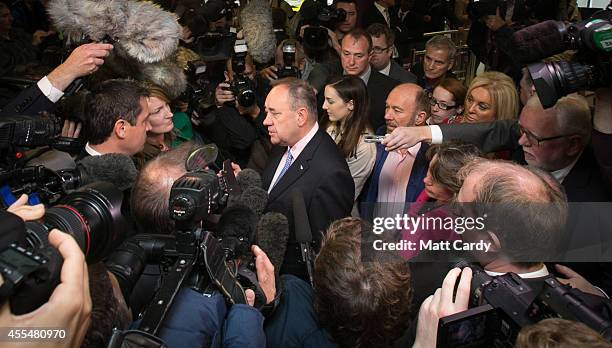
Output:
x=301 y=167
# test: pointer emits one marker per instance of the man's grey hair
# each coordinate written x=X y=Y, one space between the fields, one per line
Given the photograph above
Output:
x=301 y=94
x=443 y=42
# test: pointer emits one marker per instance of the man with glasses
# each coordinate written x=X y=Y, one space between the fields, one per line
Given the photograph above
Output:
x=383 y=40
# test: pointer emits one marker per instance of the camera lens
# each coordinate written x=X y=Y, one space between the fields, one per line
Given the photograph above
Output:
x=556 y=79
x=92 y=215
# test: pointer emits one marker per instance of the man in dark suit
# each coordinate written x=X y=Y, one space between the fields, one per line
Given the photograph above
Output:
x=307 y=160
x=355 y=59
x=383 y=40
x=437 y=63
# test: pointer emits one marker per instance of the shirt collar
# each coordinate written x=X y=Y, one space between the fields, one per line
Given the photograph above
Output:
x=542 y=272
x=562 y=173
x=91 y=151
x=366 y=75
x=297 y=149
x=386 y=70
x=380 y=8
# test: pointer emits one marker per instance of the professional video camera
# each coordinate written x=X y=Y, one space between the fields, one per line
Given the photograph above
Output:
x=31 y=267
x=288 y=69
x=192 y=256
x=241 y=85
x=320 y=17
x=502 y=305
x=21 y=132
x=589 y=68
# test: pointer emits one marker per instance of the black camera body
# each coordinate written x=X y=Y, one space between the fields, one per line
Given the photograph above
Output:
x=502 y=305
x=241 y=85
x=200 y=92
x=91 y=214
x=288 y=69
x=329 y=16
x=589 y=68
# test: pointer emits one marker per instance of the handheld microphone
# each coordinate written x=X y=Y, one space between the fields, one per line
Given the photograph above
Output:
x=272 y=237
x=249 y=178
x=303 y=234
x=115 y=168
x=256 y=19
x=237 y=230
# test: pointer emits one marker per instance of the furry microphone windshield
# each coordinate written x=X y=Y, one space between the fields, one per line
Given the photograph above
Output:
x=139 y=30
x=256 y=21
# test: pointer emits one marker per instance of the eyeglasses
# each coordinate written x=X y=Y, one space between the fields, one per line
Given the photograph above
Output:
x=443 y=106
x=535 y=140
x=379 y=50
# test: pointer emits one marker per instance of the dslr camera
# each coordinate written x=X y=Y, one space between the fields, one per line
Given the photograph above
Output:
x=288 y=69
x=241 y=85
x=31 y=267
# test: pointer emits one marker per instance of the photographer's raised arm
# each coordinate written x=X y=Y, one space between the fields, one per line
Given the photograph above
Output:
x=83 y=61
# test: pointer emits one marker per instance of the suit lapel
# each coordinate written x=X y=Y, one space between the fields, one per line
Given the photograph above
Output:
x=268 y=173
x=298 y=168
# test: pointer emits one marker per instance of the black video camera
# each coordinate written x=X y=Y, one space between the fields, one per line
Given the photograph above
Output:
x=25 y=132
x=502 y=305
x=288 y=69
x=590 y=67
x=31 y=267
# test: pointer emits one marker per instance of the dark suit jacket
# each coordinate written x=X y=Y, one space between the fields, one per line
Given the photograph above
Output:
x=379 y=86
x=373 y=15
x=584 y=183
x=30 y=101
x=400 y=74
x=323 y=176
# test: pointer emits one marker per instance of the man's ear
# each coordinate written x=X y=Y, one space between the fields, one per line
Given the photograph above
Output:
x=420 y=118
x=226 y=75
x=302 y=117
x=302 y=64
x=576 y=145
x=451 y=65
x=119 y=129
x=495 y=243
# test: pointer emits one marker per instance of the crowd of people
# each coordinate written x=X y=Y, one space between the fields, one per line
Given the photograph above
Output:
x=358 y=134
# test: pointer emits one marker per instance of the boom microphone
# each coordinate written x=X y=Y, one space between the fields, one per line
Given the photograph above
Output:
x=539 y=41
x=138 y=29
x=256 y=20
x=272 y=237
x=115 y=168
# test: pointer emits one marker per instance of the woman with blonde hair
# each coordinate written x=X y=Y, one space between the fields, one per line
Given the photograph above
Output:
x=491 y=96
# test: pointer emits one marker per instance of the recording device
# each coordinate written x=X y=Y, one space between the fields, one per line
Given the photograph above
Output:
x=476 y=9
x=258 y=30
x=194 y=257
x=21 y=132
x=200 y=92
x=371 y=138
x=502 y=305
x=303 y=234
x=241 y=86
x=137 y=29
x=48 y=186
x=589 y=68
x=288 y=69
x=319 y=17
x=31 y=267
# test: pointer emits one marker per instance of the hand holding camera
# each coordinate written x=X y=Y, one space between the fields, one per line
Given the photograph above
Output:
x=223 y=94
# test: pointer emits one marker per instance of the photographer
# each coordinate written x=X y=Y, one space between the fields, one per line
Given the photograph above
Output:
x=70 y=305
x=234 y=127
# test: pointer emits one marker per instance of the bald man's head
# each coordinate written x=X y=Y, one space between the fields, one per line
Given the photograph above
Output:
x=407 y=105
